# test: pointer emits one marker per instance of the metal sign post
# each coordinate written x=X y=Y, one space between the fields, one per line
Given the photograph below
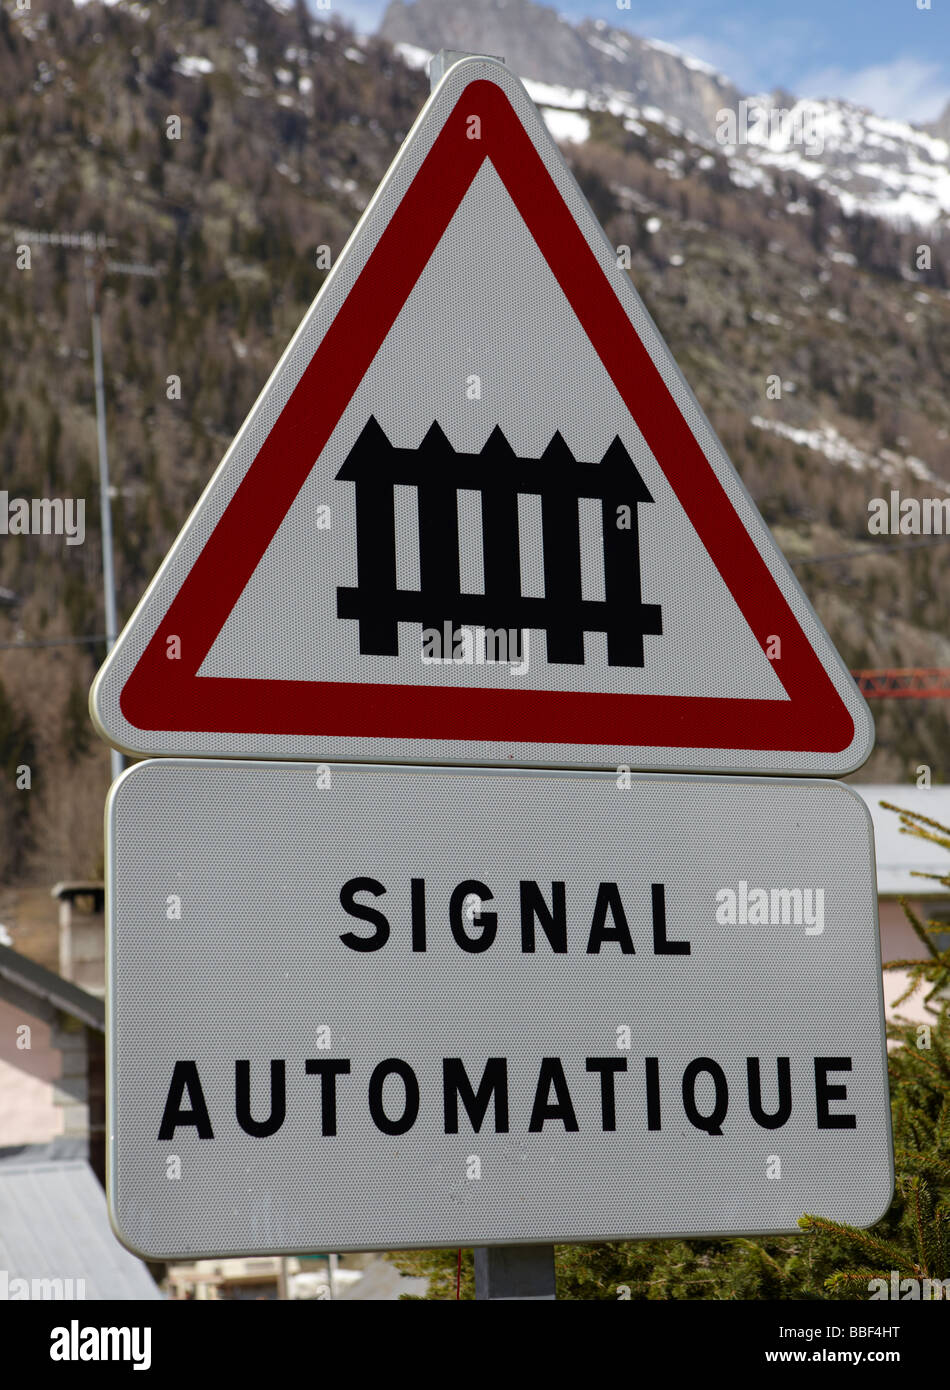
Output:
x=515 y=1271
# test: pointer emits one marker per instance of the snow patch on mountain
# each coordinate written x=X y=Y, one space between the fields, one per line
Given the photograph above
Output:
x=412 y=56
x=566 y=126
x=191 y=66
x=832 y=445
x=870 y=164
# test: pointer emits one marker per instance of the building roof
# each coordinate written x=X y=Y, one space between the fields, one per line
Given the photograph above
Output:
x=54 y=1225
x=900 y=856
x=46 y=984
x=80 y=888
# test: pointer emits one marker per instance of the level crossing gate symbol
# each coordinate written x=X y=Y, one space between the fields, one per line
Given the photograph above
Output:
x=438 y=473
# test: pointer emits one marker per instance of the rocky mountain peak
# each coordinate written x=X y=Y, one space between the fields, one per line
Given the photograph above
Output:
x=538 y=43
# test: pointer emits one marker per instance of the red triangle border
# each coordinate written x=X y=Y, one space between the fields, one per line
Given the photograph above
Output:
x=164 y=695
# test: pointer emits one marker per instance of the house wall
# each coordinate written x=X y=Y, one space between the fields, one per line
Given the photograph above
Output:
x=900 y=942
x=29 y=1113
x=44 y=1089
x=82 y=944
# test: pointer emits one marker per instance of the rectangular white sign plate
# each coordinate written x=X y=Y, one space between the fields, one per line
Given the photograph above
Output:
x=374 y=1008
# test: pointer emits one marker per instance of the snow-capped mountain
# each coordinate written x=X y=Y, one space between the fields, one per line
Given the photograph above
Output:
x=870 y=164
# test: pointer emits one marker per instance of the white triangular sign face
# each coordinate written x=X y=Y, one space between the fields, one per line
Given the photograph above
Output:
x=477 y=516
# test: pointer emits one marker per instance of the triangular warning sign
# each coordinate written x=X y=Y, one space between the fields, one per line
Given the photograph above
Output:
x=476 y=516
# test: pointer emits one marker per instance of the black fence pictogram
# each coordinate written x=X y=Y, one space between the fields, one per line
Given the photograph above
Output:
x=438 y=472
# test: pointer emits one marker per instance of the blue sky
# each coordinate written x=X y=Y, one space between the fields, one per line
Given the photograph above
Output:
x=885 y=54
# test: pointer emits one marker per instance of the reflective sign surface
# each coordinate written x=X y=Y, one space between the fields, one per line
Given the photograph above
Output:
x=477 y=516
x=369 y=1008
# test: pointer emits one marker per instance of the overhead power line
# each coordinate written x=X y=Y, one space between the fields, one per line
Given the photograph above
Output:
x=53 y=641
x=867 y=554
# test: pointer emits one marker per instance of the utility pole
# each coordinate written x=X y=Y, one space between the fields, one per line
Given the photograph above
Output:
x=93 y=288
x=96 y=268
x=95 y=245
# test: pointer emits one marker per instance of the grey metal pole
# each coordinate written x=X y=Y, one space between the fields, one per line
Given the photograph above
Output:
x=440 y=63
x=515 y=1271
x=117 y=761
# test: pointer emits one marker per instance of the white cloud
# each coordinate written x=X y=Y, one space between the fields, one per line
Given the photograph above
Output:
x=752 y=58
x=907 y=89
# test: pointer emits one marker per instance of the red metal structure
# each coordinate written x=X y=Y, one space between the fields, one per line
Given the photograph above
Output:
x=912 y=683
